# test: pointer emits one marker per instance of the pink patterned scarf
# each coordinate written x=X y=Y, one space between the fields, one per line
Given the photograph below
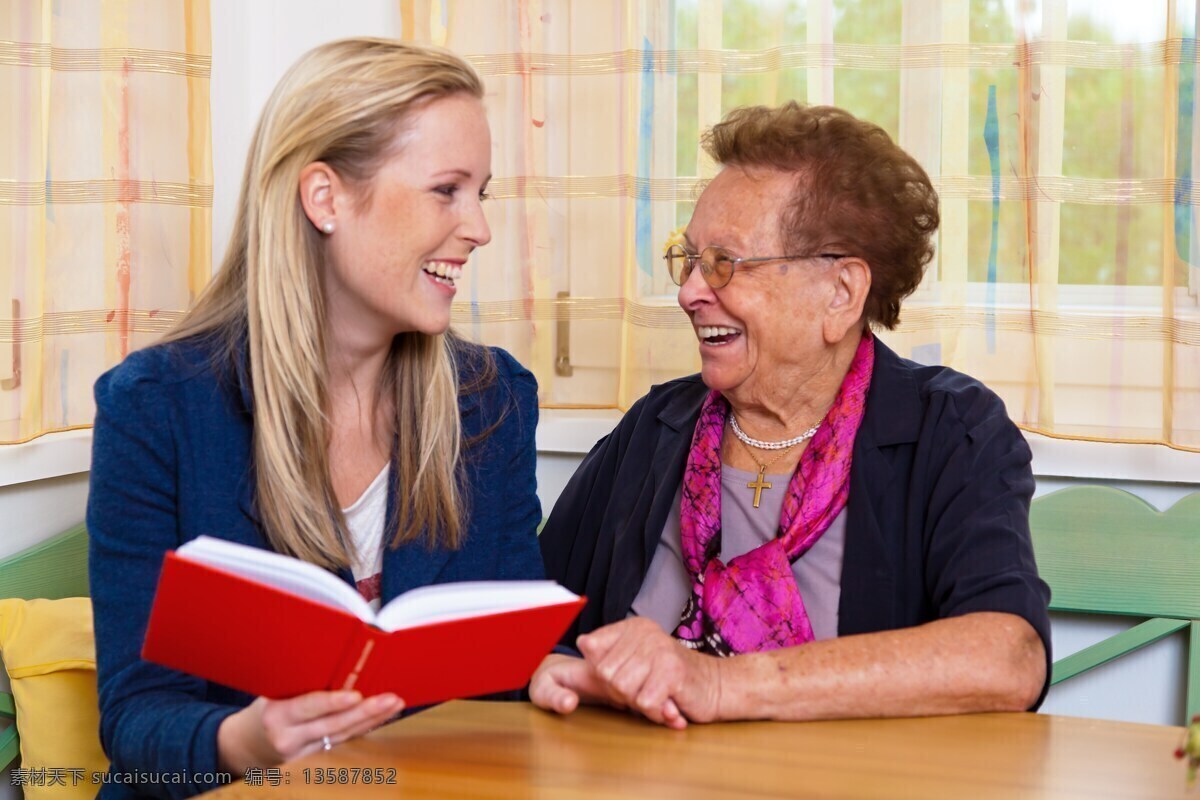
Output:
x=753 y=604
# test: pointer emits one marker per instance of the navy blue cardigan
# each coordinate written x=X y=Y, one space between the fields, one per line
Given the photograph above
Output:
x=937 y=523
x=171 y=460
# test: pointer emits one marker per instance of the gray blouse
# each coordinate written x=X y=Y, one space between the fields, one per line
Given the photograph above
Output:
x=743 y=527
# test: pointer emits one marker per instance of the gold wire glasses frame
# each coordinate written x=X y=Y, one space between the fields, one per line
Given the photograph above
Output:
x=717 y=264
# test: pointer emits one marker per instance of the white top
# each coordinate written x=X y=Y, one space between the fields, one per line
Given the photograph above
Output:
x=365 y=519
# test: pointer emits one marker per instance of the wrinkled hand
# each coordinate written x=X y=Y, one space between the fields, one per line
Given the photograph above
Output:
x=645 y=669
x=269 y=732
x=561 y=683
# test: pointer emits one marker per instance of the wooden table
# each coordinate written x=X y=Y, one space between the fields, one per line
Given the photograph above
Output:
x=503 y=750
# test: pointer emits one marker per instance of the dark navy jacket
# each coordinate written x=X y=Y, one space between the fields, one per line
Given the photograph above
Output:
x=171 y=460
x=937 y=522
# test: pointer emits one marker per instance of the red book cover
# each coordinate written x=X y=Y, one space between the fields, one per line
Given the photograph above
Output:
x=258 y=638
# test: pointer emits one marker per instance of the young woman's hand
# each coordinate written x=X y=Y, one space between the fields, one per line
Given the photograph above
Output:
x=269 y=732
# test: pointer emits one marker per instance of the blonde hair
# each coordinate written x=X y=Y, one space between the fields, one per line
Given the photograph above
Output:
x=342 y=104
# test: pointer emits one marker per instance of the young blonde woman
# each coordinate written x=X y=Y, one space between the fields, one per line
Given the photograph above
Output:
x=315 y=403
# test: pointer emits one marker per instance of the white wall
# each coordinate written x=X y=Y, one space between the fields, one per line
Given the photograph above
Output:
x=253 y=44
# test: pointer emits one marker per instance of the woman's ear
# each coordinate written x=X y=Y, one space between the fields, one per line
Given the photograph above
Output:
x=852 y=284
x=319 y=187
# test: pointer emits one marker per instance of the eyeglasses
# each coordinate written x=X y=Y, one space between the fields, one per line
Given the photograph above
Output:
x=717 y=264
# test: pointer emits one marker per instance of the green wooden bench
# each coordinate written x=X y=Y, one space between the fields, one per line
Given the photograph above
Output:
x=53 y=569
x=1105 y=551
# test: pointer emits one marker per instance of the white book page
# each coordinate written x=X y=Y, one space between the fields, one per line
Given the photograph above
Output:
x=450 y=601
x=283 y=572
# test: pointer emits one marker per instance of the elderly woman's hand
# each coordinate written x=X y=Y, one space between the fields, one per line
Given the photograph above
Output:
x=645 y=669
x=561 y=683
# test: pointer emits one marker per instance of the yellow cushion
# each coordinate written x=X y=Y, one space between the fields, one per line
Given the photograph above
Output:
x=50 y=655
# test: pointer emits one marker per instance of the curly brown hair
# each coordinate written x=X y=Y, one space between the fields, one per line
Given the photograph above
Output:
x=856 y=191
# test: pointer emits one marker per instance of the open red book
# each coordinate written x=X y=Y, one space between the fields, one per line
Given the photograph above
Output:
x=276 y=626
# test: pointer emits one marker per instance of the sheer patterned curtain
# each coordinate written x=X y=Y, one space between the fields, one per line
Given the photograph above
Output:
x=584 y=100
x=105 y=193
x=1060 y=133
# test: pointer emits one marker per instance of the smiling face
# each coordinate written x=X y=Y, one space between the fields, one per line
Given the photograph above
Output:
x=399 y=246
x=766 y=328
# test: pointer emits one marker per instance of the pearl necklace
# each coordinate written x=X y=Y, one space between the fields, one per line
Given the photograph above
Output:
x=761 y=445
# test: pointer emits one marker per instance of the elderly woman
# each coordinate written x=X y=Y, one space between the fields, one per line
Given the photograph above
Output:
x=853 y=526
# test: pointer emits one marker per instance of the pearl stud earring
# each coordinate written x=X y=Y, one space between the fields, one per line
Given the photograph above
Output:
x=327 y=226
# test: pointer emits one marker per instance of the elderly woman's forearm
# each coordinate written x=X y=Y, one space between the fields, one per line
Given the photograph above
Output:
x=978 y=662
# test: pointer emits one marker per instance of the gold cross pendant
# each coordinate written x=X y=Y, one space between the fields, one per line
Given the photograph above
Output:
x=759 y=484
